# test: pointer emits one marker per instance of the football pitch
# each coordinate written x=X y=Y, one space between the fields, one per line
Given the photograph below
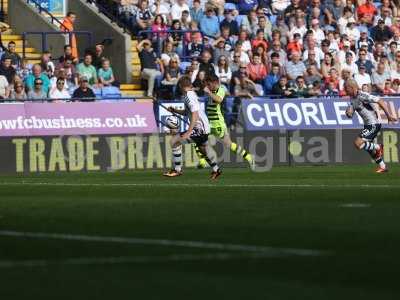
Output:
x=292 y=233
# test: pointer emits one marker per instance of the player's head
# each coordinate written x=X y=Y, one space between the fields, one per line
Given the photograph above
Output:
x=212 y=82
x=185 y=83
x=351 y=87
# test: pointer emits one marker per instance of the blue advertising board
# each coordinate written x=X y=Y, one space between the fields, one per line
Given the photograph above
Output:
x=320 y=113
x=56 y=7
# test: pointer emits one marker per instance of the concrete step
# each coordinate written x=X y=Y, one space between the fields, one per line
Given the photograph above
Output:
x=130 y=86
x=33 y=61
x=11 y=37
x=27 y=50
x=138 y=93
x=32 y=55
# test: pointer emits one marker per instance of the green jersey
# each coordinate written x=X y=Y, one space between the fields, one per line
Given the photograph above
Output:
x=214 y=112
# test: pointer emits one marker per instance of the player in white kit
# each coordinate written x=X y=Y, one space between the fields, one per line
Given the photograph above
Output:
x=197 y=133
x=365 y=105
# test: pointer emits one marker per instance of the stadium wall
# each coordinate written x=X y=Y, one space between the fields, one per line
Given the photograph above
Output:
x=23 y=17
x=89 y=19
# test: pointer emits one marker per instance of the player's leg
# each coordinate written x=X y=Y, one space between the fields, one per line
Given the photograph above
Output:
x=202 y=144
x=365 y=142
x=202 y=159
x=236 y=148
x=176 y=145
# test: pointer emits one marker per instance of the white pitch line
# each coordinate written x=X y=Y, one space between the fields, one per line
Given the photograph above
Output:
x=168 y=243
x=355 y=205
x=133 y=259
x=198 y=185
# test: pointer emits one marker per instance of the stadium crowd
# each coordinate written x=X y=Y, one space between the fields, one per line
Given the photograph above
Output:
x=284 y=48
x=287 y=48
x=64 y=77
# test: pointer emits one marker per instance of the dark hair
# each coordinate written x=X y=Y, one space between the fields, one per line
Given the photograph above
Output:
x=212 y=78
x=275 y=54
x=71 y=13
x=185 y=82
x=11 y=43
x=67 y=46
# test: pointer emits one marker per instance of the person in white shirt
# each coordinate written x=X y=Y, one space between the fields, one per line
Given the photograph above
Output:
x=395 y=74
x=344 y=20
x=349 y=64
x=300 y=28
x=311 y=45
x=178 y=8
x=362 y=77
x=352 y=31
x=4 y=87
x=59 y=92
x=318 y=33
x=341 y=56
x=244 y=58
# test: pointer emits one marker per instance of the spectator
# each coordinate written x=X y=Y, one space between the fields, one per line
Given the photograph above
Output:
x=318 y=34
x=68 y=55
x=249 y=22
x=4 y=87
x=18 y=92
x=315 y=89
x=235 y=65
x=106 y=74
x=271 y=79
x=209 y=24
x=244 y=57
x=396 y=86
x=311 y=59
x=178 y=8
x=299 y=28
x=200 y=83
x=280 y=31
x=194 y=67
x=363 y=38
x=176 y=38
x=379 y=78
x=185 y=20
x=331 y=91
x=87 y=70
x=395 y=74
x=24 y=69
x=37 y=93
x=11 y=52
x=195 y=47
x=144 y=17
x=300 y=88
x=312 y=46
x=381 y=32
x=366 y=12
x=295 y=67
x=276 y=48
x=245 y=6
x=349 y=64
x=245 y=87
x=393 y=49
x=83 y=92
x=59 y=91
x=344 y=19
x=265 y=25
x=7 y=70
x=37 y=74
x=341 y=56
x=279 y=6
x=196 y=11
x=46 y=64
x=327 y=64
x=168 y=53
x=98 y=56
x=230 y=22
x=70 y=72
x=171 y=75
x=68 y=26
x=205 y=63
x=295 y=45
x=362 y=77
x=362 y=60
x=282 y=88
x=260 y=50
x=157 y=29
x=334 y=11
x=149 y=63
x=387 y=88
x=220 y=50
x=312 y=75
x=223 y=71
x=256 y=70
x=259 y=40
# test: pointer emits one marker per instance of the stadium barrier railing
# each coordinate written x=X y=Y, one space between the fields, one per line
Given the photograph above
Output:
x=45 y=34
x=53 y=19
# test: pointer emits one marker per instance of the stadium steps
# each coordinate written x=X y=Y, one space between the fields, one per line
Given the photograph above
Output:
x=31 y=54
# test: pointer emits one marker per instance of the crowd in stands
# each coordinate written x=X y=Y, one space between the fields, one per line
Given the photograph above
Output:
x=290 y=48
x=66 y=77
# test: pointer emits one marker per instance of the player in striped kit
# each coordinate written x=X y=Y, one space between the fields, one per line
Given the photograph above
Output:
x=364 y=104
x=216 y=94
x=197 y=133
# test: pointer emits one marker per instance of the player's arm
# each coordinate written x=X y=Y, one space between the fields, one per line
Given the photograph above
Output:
x=215 y=97
x=383 y=106
x=176 y=111
x=350 y=111
x=193 y=121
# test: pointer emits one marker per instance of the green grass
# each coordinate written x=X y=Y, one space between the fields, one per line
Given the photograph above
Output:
x=298 y=208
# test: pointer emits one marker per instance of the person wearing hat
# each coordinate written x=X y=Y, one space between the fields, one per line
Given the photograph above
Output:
x=229 y=21
x=318 y=33
x=341 y=57
x=363 y=60
x=381 y=32
x=220 y=50
x=83 y=92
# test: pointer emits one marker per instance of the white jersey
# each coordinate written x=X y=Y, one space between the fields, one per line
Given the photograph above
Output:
x=364 y=105
x=192 y=104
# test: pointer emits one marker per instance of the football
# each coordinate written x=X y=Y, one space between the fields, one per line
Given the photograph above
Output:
x=172 y=122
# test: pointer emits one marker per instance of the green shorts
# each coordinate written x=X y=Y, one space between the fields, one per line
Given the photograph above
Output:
x=218 y=131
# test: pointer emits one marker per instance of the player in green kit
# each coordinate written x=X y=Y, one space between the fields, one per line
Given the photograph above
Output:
x=216 y=94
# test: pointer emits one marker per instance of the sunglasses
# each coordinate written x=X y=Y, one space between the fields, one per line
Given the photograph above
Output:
x=38 y=83
x=60 y=82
